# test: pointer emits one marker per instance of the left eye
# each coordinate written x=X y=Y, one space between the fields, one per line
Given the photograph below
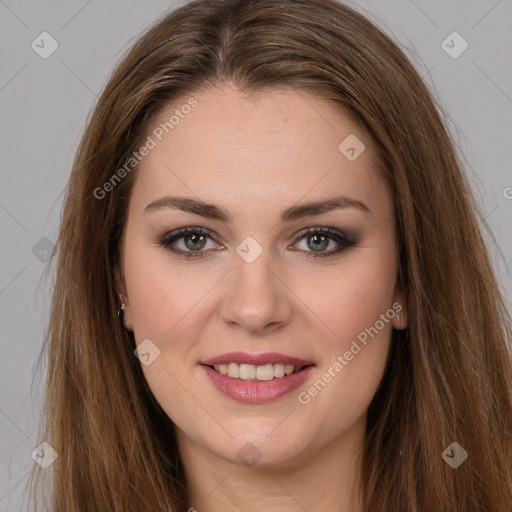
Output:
x=318 y=239
x=317 y=242
x=194 y=240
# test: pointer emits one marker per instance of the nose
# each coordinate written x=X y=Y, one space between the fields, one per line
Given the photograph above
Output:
x=257 y=298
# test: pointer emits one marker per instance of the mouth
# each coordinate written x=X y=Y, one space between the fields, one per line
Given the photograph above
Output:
x=259 y=383
x=265 y=372
x=258 y=367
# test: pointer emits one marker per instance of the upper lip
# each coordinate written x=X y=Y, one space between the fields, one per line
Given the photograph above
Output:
x=256 y=359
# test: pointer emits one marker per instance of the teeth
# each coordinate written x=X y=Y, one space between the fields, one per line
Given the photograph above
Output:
x=234 y=370
x=252 y=372
x=265 y=372
x=247 y=371
x=279 y=370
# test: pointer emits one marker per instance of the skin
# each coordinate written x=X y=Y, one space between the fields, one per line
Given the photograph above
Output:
x=255 y=156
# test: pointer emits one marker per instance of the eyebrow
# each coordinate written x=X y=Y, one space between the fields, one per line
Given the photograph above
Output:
x=214 y=212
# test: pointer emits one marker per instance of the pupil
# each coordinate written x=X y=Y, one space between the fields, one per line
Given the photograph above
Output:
x=195 y=241
x=319 y=244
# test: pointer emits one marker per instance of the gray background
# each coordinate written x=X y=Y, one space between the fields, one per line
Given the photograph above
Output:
x=45 y=102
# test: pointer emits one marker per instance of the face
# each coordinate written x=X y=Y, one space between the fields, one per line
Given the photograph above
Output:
x=261 y=272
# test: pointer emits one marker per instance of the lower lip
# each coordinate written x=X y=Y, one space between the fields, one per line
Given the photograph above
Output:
x=257 y=391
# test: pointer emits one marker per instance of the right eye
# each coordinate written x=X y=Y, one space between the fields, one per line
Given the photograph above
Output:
x=194 y=240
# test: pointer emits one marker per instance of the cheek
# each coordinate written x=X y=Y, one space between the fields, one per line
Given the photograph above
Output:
x=357 y=307
x=166 y=307
x=164 y=292
x=351 y=296
x=354 y=303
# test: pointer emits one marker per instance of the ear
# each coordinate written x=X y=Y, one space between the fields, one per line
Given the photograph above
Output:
x=123 y=296
x=400 y=319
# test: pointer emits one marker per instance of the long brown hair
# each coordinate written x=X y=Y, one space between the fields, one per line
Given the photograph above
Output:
x=449 y=374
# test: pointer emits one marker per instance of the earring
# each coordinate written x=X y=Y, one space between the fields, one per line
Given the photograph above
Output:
x=120 y=313
x=398 y=321
x=122 y=302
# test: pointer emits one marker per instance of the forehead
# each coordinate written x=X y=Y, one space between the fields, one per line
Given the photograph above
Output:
x=277 y=145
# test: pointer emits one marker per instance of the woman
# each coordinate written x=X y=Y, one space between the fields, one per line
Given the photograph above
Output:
x=267 y=196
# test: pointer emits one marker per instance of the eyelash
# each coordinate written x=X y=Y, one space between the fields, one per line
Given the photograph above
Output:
x=340 y=238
